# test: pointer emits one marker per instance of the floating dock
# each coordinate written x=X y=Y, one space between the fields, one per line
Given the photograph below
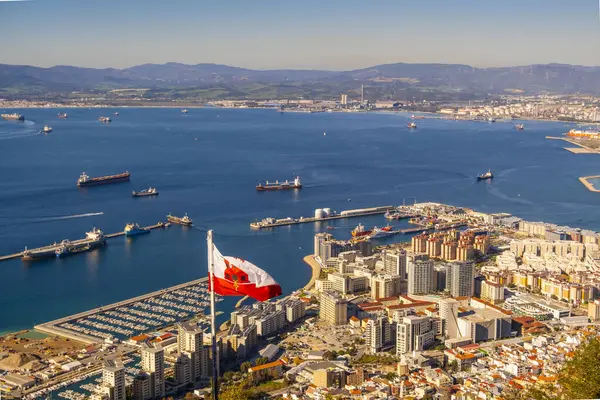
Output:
x=321 y=214
x=55 y=246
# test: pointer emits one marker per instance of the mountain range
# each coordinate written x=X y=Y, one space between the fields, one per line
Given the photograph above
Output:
x=214 y=81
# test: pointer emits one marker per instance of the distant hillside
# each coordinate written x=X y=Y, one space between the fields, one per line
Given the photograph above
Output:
x=389 y=81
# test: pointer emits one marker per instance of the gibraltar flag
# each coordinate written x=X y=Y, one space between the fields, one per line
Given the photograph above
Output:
x=236 y=277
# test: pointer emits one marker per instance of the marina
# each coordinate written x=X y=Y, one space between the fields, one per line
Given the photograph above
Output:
x=50 y=250
x=119 y=321
x=321 y=214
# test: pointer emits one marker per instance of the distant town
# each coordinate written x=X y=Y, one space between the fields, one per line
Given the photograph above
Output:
x=474 y=305
x=569 y=108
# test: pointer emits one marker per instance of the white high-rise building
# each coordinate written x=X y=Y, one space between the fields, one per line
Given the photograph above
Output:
x=153 y=362
x=333 y=308
x=420 y=277
x=378 y=334
x=414 y=334
x=192 y=363
x=383 y=286
x=113 y=379
x=395 y=263
x=449 y=317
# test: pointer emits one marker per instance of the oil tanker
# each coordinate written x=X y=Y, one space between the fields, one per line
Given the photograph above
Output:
x=85 y=180
x=15 y=116
x=280 y=186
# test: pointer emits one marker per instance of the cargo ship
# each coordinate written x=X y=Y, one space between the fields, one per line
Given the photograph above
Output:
x=133 y=229
x=280 y=186
x=412 y=125
x=38 y=254
x=85 y=180
x=186 y=221
x=105 y=119
x=381 y=232
x=486 y=176
x=146 y=192
x=360 y=231
x=62 y=115
x=94 y=238
x=14 y=116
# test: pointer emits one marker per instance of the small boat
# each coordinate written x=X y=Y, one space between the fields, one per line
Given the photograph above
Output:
x=324 y=133
x=146 y=192
x=116 y=114
x=62 y=115
x=520 y=127
x=47 y=129
x=412 y=125
x=486 y=176
x=330 y=228
x=184 y=111
x=105 y=119
x=490 y=119
x=360 y=231
x=186 y=221
x=133 y=229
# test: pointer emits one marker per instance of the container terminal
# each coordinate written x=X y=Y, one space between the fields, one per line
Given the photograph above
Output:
x=321 y=214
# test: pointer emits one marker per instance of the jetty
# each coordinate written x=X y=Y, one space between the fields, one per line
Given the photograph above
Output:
x=321 y=214
x=588 y=184
x=55 y=246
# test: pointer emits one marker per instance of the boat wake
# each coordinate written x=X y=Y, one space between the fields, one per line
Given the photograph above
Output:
x=62 y=217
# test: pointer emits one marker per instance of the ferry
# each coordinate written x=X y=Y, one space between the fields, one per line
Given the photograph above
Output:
x=14 y=116
x=62 y=115
x=146 y=192
x=412 y=125
x=105 y=119
x=186 y=221
x=360 y=231
x=133 y=229
x=85 y=180
x=486 y=176
x=520 y=127
x=280 y=186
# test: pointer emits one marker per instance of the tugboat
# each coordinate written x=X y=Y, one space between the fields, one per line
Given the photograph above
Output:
x=360 y=231
x=185 y=221
x=412 y=125
x=520 y=127
x=62 y=115
x=146 y=192
x=280 y=186
x=133 y=229
x=486 y=176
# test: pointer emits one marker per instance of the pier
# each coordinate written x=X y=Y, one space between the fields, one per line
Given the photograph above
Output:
x=273 y=223
x=55 y=246
x=588 y=184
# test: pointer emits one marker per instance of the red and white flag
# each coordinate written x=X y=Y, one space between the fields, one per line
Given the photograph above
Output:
x=236 y=277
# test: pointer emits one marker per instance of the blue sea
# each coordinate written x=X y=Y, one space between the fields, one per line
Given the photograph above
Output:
x=207 y=164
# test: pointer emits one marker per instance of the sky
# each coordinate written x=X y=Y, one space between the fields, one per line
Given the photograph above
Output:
x=315 y=34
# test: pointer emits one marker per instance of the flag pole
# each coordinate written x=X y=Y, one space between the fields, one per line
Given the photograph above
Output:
x=215 y=355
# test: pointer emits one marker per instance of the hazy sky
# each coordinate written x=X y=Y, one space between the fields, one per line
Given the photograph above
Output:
x=331 y=34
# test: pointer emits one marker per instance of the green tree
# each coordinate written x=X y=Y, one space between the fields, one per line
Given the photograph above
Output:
x=228 y=376
x=580 y=377
x=245 y=366
x=329 y=355
x=453 y=366
x=261 y=361
x=235 y=393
